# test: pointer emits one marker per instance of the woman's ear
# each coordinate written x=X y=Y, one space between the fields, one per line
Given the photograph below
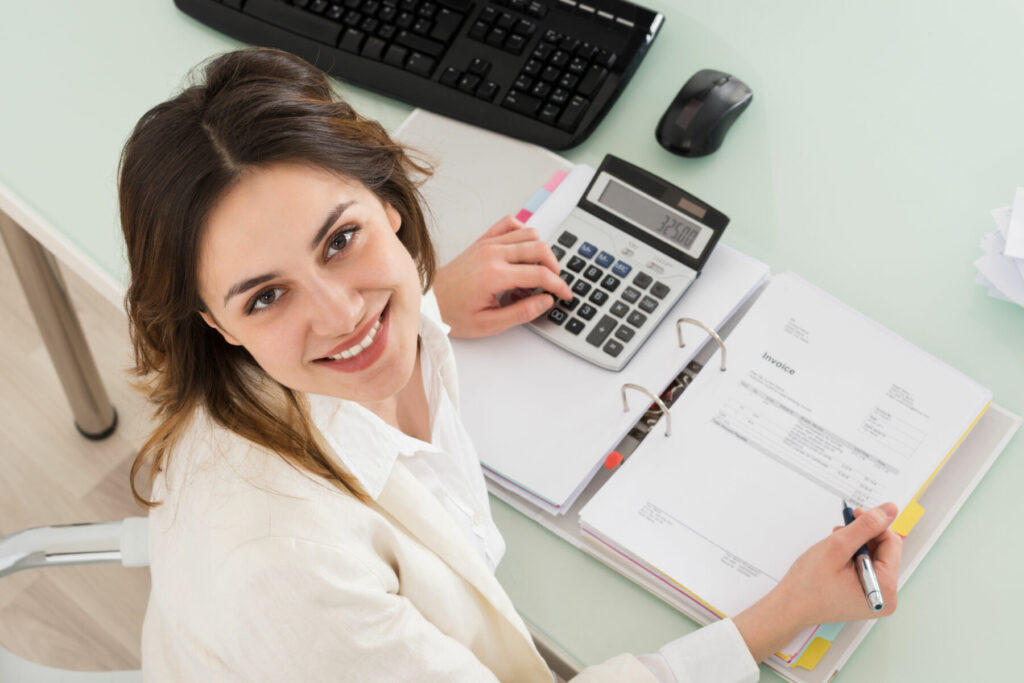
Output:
x=212 y=322
x=394 y=218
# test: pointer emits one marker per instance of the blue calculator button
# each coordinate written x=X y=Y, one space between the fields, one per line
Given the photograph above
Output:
x=604 y=259
x=587 y=249
x=622 y=269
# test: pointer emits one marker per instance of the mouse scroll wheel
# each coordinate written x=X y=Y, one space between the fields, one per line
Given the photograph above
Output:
x=722 y=81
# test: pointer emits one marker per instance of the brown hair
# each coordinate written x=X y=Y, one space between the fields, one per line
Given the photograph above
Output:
x=250 y=109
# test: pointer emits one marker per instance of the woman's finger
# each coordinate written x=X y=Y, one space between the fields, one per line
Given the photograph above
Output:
x=532 y=252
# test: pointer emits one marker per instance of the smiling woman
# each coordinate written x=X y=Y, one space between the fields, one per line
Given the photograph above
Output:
x=318 y=511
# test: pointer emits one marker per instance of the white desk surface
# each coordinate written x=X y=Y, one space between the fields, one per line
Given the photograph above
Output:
x=880 y=136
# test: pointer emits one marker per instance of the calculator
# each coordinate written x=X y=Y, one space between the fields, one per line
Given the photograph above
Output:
x=631 y=247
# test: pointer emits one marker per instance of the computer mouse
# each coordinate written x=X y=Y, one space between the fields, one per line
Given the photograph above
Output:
x=696 y=122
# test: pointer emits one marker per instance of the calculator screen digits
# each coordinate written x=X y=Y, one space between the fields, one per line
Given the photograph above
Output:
x=655 y=218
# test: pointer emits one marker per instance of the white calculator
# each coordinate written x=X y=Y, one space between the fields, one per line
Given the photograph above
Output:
x=629 y=249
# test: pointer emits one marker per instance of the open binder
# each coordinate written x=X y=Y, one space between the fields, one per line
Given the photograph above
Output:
x=482 y=176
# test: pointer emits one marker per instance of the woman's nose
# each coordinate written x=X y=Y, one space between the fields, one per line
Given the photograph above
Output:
x=335 y=310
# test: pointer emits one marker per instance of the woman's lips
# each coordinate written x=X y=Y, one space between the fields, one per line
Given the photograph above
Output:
x=369 y=354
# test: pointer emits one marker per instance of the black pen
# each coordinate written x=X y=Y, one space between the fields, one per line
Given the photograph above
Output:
x=865 y=569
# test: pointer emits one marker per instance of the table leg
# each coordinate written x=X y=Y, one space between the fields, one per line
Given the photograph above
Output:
x=58 y=324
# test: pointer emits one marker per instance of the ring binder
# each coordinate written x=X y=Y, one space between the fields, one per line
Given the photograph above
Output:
x=661 y=404
x=714 y=335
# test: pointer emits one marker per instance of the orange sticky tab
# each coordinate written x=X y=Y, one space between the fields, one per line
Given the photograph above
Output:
x=813 y=654
x=908 y=518
x=613 y=460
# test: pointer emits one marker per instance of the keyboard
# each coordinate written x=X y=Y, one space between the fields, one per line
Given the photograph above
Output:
x=543 y=71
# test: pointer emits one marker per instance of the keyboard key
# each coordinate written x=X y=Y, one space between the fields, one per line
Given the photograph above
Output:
x=405 y=19
x=586 y=51
x=586 y=311
x=568 y=44
x=630 y=295
x=488 y=14
x=352 y=19
x=334 y=12
x=613 y=348
x=622 y=269
x=295 y=20
x=557 y=316
x=568 y=305
x=543 y=51
x=593 y=273
x=636 y=319
x=659 y=290
x=559 y=97
x=352 y=40
x=386 y=32
x=540 y=89
x=587 y=249
x=604 y=259
x=506 y=21
x=395 y=55
x=419 y=43
x=451 y=77
x=556 y=250
x=574 y=326
x=610 y=282
x=522 y=103
x=496 y=37
x=560 y=58
x=577 y=66
x=480 y=67
x=567 y=239
x=598 y=296
x=374 y=48
x=533 y=67
x=427 y=10
x=619 y=309
x=468 y=83
x=592 y=80
x=606 y=58
x=549 y=114
x=567 y=277
x=648 y=304
x=568 y=81
x=479 y=31
x=525 y=28
x=536 y=9
x=549 y=74
x=515 y=44
x=625 y=333
x=445 y=26
x=522 y=82
x=387 y=14
x=420 y=64
x=488 y=91
x=581 y=287
x=642 y=280
x=552 y=36
x=601 y=330
x=573 y=113
x=369 y=25
x=575 y=264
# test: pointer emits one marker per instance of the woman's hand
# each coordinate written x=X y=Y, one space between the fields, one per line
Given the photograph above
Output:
x=507 y=256
x=822 y=586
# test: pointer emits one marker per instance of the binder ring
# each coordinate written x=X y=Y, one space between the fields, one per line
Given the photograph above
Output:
x=661 y=404
x=714 y=335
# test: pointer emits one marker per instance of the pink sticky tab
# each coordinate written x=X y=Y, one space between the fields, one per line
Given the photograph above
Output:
x=555 y=181
x=523 y=215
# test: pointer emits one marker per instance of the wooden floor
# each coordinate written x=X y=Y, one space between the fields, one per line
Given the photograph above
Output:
x=86 y=618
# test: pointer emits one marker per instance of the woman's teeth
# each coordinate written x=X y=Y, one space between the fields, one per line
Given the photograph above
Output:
x=353 y=351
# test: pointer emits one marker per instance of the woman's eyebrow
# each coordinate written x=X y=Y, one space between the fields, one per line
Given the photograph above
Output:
x=331 y=218
x=245 y=285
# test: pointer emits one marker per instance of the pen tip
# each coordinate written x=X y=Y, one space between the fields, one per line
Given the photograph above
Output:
x=845 y=504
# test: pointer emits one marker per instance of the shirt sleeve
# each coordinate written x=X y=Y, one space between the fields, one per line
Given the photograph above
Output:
x=716 y=653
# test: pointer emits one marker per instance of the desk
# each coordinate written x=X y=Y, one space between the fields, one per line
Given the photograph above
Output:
x=879 y=137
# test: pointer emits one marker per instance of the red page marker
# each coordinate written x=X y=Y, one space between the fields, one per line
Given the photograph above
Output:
x=613 y=460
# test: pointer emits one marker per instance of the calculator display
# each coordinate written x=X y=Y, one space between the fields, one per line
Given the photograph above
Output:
x=659 y=220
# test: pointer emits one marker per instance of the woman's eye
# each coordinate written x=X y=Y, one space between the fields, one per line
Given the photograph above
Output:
x=265 y=298
x=340 y=241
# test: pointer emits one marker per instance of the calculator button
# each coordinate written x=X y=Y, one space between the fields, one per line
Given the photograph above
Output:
x=575 y=264
x=619 y=309
x=630 y=295
x=613 y=348
x=625 y=333
x=604 y=259
x=567 y=276
x=659 y=290
x=557 y=316
x=587 y=249
x=622 y=269
x=601 y=331
x=610 y=282
x=574 y=326
x=558 y=252
x=648 y=304
x=636 y=319
x=567 y=239
x=568 y=305
x=599 y=296
x=586 y=311
x=581 y=287
x=642 y=280
x=593 y=273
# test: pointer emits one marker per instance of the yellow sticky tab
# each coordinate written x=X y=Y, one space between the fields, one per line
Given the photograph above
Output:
x=813 y=654
x=908 y=518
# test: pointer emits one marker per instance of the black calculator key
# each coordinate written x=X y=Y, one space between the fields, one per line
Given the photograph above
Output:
x=622 y=269
x=586 y=311
x=557 y=251
x=568 y=305
x=630 y=295
x=557 y=316
x=604 y=259
x=636 y=319
x=601 y=330
x=593 y=273
x=599 y=296
x=619 y=309
x=575 y=264
x=587 y=249
x=659 y=290
x=642 y=280
x=581 y=287
x=574 y=326
x=648 y=304
x=567 y=276
x=625 y=333
x=613 y=348
x=610 y=282
x=567 y=239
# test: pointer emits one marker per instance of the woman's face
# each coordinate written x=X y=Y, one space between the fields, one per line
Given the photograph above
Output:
x=305 y=270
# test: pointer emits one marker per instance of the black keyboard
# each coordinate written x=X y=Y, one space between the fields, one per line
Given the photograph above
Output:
x=544 y=71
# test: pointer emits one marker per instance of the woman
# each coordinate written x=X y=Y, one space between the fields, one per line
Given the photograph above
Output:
x=317 y=509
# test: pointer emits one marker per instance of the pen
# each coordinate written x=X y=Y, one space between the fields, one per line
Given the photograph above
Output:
x=865 y=569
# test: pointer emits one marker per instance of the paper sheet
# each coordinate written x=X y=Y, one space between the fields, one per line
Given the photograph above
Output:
x=1015 y=230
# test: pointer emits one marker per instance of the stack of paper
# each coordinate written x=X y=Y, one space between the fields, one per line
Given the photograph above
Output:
x=1001 y=268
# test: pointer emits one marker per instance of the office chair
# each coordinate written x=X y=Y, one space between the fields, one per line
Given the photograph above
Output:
x=125 y=542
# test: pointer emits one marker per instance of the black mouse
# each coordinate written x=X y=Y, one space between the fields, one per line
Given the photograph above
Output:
x=695 y=124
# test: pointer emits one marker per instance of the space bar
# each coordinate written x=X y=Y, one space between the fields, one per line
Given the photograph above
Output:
x=294 y=20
